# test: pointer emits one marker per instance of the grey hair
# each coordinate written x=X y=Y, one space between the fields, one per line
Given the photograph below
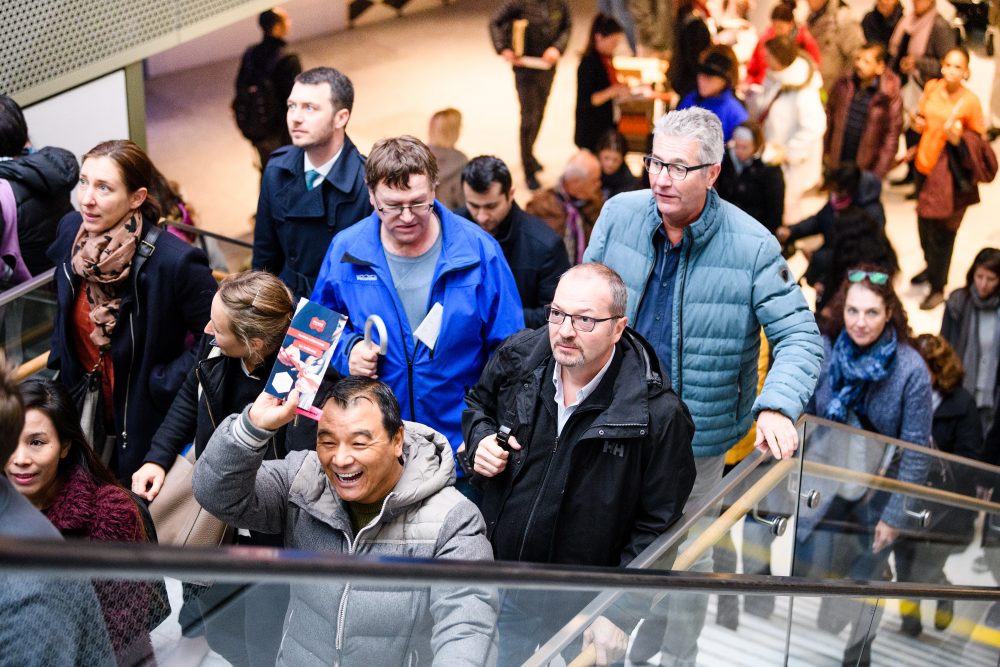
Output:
x=619 y=293
x=699 y=124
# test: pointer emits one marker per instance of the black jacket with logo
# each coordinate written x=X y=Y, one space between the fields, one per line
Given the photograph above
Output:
x=616 y=478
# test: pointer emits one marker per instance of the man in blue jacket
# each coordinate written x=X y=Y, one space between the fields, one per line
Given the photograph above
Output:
x=703 y=278
x=439 y=282
x=314 y=188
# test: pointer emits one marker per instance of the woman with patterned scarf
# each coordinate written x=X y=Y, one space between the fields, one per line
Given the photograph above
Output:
x=872 y=379
x=128 y=299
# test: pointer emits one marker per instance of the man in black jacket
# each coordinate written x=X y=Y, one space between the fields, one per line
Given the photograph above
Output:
x=543 y=39
x=598 y=462
x=535 y=253
x=269 y=61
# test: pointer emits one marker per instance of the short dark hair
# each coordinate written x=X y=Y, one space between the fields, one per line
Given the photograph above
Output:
x=844 y=178
x=881 y=55
x=783 y=48
x=783 y=12
x=13 y=128
x=268 y=19
x=341 y=88
x=393 y=160
x=11 y=410
x=611 y=140
x=349 y=389
x=483 y=171
x=604 y=26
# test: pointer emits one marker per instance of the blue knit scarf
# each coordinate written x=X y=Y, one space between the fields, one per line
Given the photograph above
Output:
x=852 y=367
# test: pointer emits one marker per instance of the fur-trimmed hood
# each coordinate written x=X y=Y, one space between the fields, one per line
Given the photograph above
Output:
x=105 y=513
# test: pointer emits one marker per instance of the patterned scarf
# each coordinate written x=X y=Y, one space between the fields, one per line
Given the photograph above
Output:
x=103 y=260
x=853 y=367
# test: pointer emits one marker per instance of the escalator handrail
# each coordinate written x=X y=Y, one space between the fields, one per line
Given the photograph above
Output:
x=922 y=449
x=204 y=232
x=242 y=564
x=17 y=291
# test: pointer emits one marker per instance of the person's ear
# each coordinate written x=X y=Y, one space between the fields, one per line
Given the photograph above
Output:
x=137 y=198
x=397 y=444
x=340 y=118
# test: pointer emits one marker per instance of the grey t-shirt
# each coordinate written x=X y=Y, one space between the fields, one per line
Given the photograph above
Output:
x=412 y=277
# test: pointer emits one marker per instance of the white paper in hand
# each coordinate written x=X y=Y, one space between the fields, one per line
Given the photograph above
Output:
x=429 y=330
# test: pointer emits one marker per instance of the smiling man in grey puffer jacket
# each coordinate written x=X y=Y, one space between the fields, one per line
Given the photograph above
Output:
x=374 y=486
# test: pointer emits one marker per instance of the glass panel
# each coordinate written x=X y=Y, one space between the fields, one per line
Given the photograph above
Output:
x=26 y=320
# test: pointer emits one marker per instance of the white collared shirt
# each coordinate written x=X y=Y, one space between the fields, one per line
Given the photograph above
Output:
x=565 y=412
x=324 y=168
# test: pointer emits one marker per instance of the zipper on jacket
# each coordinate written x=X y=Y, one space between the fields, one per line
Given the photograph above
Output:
x=128 y=382
x=204 y=392
x=538 y=497
x=351 y=544
x=679 y=334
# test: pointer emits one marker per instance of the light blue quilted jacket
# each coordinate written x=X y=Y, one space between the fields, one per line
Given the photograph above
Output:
x=731 y=281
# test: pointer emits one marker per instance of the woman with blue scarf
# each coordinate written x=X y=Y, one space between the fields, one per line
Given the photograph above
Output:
x=872 y=379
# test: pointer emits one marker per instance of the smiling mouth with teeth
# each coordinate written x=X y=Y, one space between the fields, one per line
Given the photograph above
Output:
x=354 y=476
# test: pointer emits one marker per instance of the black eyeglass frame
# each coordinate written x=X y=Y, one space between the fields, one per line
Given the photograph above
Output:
x=655 y=165
x=573 y=319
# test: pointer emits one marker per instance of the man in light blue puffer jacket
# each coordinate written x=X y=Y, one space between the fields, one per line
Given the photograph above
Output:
x=703 y=278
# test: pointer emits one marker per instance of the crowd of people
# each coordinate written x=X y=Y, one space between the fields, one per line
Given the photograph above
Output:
x=554 y=384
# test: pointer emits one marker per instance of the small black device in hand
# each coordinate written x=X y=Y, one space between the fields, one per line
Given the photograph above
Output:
x=503 y=437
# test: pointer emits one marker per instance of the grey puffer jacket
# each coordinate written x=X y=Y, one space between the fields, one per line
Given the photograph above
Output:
x=423 y=517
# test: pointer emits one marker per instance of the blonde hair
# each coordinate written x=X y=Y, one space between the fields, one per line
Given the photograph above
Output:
x=445 y=127
x=259 y=307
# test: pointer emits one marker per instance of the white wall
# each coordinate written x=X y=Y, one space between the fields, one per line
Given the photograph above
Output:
x=310 y=18
x=82 y=117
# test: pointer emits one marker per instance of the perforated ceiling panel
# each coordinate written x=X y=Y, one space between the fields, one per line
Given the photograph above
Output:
x=42 y=40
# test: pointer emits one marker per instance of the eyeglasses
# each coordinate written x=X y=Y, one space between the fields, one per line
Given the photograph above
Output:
x=415 y=209
x=677 y=172
x=584 y=323
x=874 y=277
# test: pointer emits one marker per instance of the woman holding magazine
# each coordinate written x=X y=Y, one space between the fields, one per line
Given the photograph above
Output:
x=249 y=317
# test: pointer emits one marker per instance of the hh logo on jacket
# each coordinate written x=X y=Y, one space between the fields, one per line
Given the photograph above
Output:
x=614 y=448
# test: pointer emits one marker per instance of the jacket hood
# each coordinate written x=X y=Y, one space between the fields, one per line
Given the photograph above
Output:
x=869 y=189
x=47 y=172
x=429 y=466
x=799 y=74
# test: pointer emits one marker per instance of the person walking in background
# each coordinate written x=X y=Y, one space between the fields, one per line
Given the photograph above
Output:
x=749 y=183
x=314 y=188
x=691 y=38
x=790 y=110
x=971 y=324
x=782 y=25
x=919 y=42
x=545 y=36
x=442 y=136
x=130 y=297
x=265 y=79
x=718 y=70
x=864 y=112
x=597 y=85
x=535 y=253
x=616 y=177
x=955 y=430
x=952 y=158
x=879 y=24
x=838 y=34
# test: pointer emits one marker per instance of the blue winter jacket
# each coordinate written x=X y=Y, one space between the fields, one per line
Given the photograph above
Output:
x=481 y=308
x=731 y=281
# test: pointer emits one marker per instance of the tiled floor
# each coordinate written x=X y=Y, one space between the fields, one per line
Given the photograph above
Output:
x=404 y=70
